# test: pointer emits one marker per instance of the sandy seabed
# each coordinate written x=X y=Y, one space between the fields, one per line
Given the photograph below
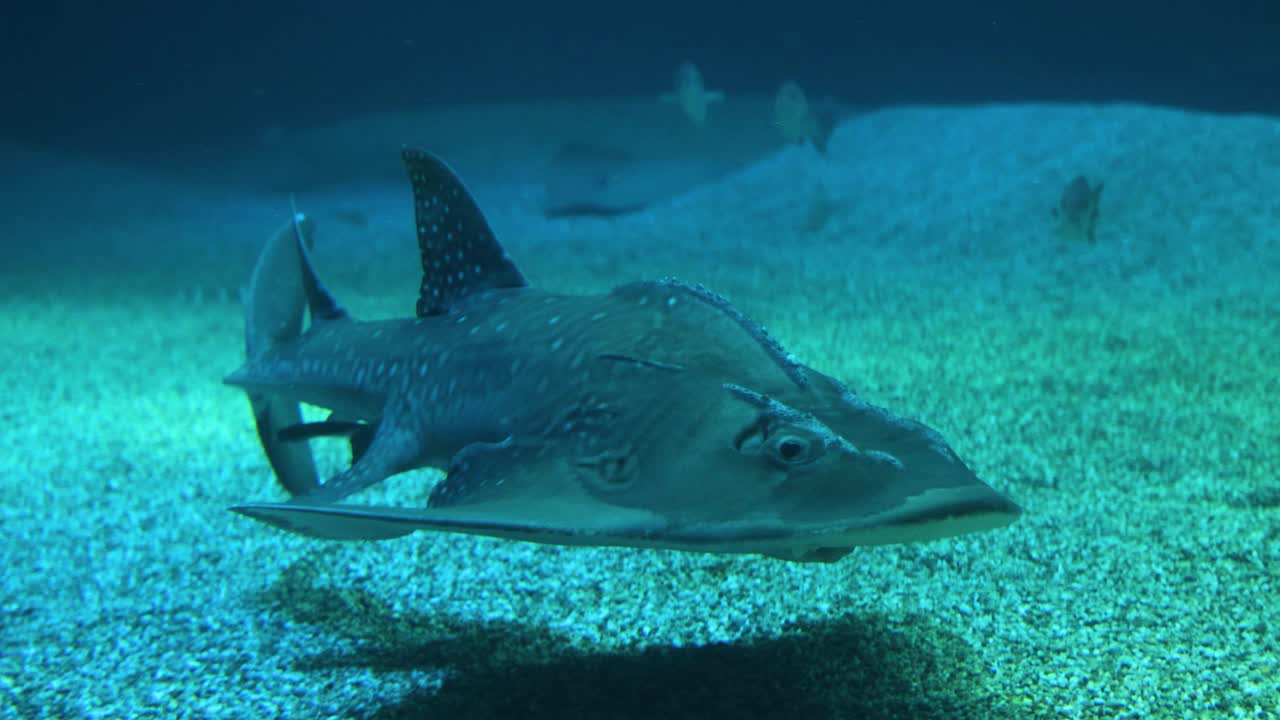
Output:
x=1123 y=391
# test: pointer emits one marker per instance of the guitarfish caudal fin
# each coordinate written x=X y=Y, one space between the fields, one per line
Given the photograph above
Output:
x=274 y=309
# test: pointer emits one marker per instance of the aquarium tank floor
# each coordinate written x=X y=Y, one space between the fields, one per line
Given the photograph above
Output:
x=1123 y=391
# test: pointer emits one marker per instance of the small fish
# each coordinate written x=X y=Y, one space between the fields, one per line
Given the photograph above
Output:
x=799 y=121
x=692 y=95
x=1077 y=210
x=657 y=415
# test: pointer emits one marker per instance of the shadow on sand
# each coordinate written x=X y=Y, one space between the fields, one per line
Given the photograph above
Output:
x=855 y=666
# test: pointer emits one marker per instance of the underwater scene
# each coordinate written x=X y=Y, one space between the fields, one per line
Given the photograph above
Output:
x=718 y=393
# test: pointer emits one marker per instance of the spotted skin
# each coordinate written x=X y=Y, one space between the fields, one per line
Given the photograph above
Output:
x=459 y=252
x=655 y=415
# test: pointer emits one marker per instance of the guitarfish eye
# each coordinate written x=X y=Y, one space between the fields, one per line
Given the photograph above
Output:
x=791 y=449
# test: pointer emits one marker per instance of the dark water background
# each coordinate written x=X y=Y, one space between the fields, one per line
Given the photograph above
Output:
x=127 y=78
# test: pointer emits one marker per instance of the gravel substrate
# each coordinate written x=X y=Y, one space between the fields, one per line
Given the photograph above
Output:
x=1123 y=392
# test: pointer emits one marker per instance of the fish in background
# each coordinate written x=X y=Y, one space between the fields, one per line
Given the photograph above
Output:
x=691 y=94
x=1077 y=210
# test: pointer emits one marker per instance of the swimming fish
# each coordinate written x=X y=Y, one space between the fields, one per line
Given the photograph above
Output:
x=657 y=415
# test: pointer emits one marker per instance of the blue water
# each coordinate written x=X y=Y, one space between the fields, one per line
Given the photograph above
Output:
x=1117 y=386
